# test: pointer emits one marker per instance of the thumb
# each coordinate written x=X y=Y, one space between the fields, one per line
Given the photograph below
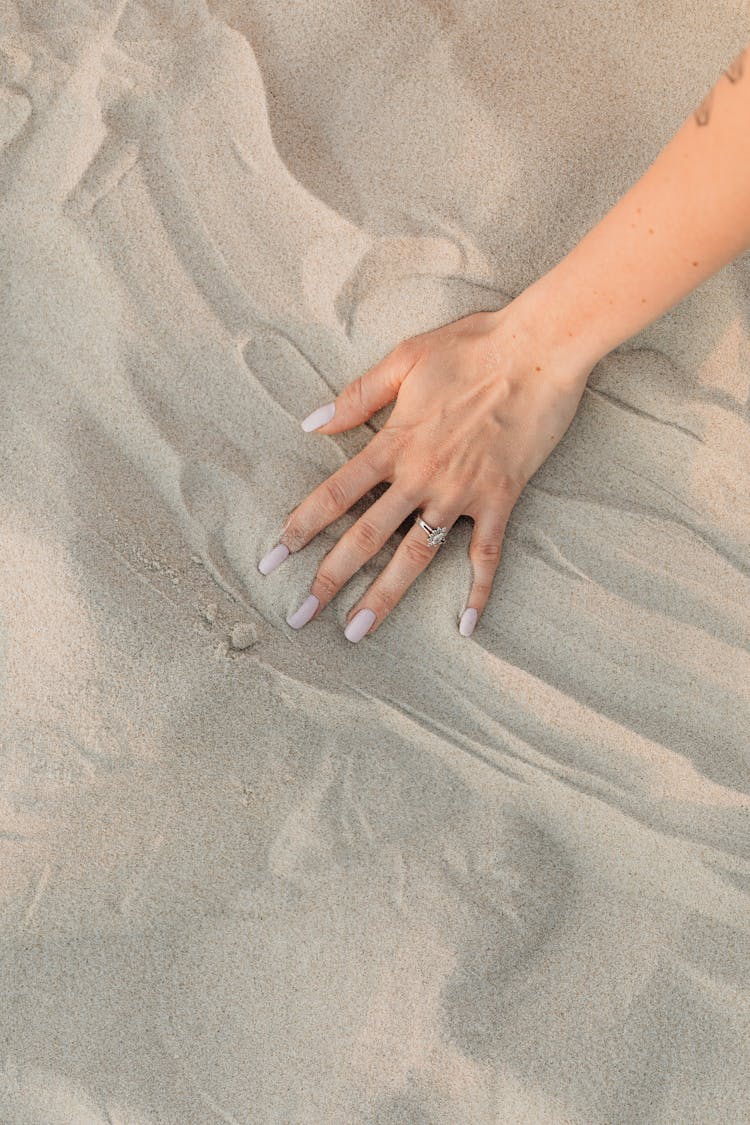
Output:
x=366 y=394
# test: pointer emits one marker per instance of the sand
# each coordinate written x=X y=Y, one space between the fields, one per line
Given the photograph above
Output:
x=253 y=875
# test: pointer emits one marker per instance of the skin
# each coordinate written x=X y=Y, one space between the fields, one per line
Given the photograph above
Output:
x=481 y=402
x=734 y=72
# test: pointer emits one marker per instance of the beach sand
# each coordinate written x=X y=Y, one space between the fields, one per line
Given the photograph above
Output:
x=266 y=877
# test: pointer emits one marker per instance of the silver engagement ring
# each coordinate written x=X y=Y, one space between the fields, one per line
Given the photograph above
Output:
x=435 y=535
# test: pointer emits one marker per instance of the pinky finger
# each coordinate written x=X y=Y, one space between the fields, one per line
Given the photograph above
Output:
x=485 y=549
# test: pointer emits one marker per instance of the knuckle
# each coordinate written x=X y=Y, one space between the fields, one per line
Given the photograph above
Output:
x=366 y=536
x=486 y=551
x=378 y=455
x=381 y=601
x=352 y=392
x=418 y=552
x=326 y=583
x=294 y=535
x=412 y=494
x=453 y=498
x=481 y=589
x=333 y=497
x=410 y=490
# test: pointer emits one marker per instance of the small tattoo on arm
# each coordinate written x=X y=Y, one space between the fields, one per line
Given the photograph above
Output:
x=733 y=72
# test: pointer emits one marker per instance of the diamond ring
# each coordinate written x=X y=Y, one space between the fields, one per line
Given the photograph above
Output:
x=435 y=535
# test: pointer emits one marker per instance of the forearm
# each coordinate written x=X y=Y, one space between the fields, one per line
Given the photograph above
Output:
x=685 y=218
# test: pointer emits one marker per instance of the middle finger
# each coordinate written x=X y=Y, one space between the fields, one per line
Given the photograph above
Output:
x=412 y=557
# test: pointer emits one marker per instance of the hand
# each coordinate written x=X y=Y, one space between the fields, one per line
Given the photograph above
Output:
x=480 y=404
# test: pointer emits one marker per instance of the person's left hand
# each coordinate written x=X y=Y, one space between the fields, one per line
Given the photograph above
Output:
x=480 y=403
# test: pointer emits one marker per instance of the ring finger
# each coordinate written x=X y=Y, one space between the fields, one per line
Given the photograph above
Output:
x=414 y=554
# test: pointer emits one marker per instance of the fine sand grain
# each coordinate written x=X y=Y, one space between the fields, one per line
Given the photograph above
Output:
x=261 y=877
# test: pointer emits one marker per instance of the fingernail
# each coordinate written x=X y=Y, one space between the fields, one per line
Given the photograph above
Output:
x=359 y=625
x=319 y=417
x=273 y=559
x=302 y=615
x=467 y=622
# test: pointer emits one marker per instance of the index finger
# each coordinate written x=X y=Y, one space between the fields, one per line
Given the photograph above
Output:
x=331 y=499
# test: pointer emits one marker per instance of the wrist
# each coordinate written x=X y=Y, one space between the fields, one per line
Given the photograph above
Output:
x=566 y=343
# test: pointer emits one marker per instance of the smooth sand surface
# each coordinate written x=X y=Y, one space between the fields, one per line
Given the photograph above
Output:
x=264 y=877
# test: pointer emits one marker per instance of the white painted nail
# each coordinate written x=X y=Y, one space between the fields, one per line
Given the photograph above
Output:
x=467 y=622
x=359 y=625
x=274 y=558
x=302 y=615
x=319 y=417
